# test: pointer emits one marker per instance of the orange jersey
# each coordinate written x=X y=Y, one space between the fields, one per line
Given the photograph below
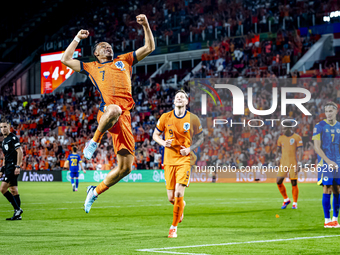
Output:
x=289 y=145
x=181 y=130
x=112 y=79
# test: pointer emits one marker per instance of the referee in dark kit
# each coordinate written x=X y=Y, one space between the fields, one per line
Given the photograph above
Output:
x=11 y=168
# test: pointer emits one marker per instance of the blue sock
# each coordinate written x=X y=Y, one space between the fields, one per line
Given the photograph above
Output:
x=326 y=204
x=336 y=203
x=77 y=183
x=72 y=181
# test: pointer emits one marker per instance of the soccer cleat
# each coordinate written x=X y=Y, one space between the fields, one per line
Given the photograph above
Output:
x=73 y=188
x=335 y=224
x=90 y=148
x=172 y=233
x=294 y=207
x=285 y=204
x=329 y=225
x=182 y=213
x=16 y=215
x=90 y=198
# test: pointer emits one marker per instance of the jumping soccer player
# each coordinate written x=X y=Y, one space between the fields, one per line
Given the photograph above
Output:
x=290 y=145
x=76 y=162
x=179 y=127
x=13 y=159
x=112 y=78
x=326 y=136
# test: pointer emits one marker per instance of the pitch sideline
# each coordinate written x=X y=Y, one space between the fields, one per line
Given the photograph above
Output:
x=161 y=250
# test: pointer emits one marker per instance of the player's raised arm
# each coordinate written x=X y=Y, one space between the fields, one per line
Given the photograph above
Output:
x=67 y=59
x=149 y=45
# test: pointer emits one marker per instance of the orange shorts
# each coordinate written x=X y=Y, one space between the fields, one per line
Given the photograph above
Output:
x=288 y=171
x=121 y=132
x=176 y=174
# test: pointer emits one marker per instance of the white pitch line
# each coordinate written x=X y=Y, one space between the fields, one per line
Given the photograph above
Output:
x=161 y=250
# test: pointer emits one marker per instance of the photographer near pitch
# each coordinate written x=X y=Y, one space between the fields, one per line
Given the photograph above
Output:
x=13 y=159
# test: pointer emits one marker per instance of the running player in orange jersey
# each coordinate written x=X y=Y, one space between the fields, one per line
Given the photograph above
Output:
x=112 y=78
x=179 y=127
x=289 y=144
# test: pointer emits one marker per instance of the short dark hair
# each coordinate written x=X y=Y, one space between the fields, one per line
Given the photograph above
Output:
x=5 y=120
x=182 y=91
x=74 y=148
x=94 y=49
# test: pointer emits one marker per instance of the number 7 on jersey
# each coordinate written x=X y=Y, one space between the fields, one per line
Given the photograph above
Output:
x=103 y=75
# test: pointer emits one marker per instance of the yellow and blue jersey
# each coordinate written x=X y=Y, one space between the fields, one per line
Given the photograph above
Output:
x=330 y=139
x=329 y=135
x=74 y=161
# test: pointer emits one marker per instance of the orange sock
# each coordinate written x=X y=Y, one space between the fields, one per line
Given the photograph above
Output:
x=295 y=191
x=282 y=190
x=98 y=136
x=178 y=210
x=101 y=188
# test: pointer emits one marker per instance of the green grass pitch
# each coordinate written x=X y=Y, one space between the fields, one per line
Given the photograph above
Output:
x=135 y=219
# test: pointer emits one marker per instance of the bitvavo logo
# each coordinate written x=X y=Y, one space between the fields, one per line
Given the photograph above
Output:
x=35 y=177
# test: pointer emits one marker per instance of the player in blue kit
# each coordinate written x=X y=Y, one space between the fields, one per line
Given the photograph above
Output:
x=326 y=136
x=74 y=162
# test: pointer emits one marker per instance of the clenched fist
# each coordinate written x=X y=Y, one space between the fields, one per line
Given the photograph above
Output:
x=142 y=20
x=83 y=34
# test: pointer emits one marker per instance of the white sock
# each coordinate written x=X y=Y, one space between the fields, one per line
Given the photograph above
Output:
x=335 y=218
x=327 y=220
x=295 y=203
x=286 y=200
x=173 y=227
x=95 y=192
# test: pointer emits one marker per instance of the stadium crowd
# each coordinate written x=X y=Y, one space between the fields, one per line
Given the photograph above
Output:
x=250 y=57
x=201 y=18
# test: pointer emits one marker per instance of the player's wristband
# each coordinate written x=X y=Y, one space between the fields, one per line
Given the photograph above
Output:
x=77 y=39
x=16 y=166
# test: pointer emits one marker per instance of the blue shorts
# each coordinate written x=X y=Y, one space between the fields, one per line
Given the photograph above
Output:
x=74 y=174
x=328 y=176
